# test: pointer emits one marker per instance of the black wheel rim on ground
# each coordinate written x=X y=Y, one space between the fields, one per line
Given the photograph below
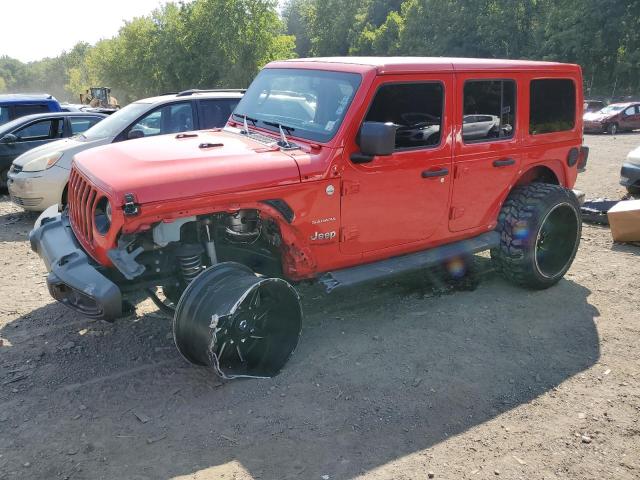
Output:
x=241 y=324
x=557 y=240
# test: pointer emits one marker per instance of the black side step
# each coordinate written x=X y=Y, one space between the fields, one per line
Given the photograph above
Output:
x=407 y=263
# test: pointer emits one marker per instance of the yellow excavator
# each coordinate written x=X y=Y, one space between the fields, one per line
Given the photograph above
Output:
x=100 y=99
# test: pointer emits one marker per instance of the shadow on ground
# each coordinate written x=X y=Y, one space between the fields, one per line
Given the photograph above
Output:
x=381 y=372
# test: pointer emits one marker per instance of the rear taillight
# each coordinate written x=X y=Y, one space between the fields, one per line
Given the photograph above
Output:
x=582 y=158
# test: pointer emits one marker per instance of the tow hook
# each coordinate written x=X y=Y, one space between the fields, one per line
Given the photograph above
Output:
x=130 y=207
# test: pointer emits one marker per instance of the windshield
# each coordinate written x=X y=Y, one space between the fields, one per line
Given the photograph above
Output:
x=111 y=126
x=309 y=104
x=612 y=108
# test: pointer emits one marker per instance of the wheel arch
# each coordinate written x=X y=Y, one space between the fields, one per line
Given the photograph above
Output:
x=296 y=257
x=64 y=194
x=548 y=173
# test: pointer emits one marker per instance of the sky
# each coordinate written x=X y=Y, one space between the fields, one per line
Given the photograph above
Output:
x=34 y=29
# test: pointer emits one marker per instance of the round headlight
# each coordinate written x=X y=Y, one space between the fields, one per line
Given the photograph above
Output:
x=102 y=215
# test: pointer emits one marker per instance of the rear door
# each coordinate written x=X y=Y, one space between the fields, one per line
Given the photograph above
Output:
x=401 y=198
x=486 y=158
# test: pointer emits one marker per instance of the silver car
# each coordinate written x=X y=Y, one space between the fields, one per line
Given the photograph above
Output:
x=479 y=127
x=38 y=178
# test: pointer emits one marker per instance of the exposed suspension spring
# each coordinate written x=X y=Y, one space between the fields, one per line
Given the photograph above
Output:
x=190 y=259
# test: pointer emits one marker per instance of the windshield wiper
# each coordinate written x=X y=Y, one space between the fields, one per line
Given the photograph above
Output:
x=279 y=125
x=284 y=143
x=244 y=120
x=283 y=138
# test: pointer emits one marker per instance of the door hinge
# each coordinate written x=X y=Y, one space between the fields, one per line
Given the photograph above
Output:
x=349 y=233
x=455 y=212
x=349 y=188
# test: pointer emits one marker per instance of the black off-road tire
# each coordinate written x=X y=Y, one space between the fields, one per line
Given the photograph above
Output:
x=532 y=215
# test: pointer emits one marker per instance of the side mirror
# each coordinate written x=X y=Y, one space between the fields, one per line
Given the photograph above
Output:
x=376 y=139
x=9 y=138
x=133 y=134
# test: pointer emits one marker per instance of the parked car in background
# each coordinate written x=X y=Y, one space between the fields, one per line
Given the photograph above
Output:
x=630 y=172
x=480 y=127
x=593 y=105
x=38 y=179
x=614 y=118
x=16 y=105
x=32 y=131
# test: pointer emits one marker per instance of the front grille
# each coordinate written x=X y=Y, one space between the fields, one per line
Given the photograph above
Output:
x=26 y=202
x=82 y=201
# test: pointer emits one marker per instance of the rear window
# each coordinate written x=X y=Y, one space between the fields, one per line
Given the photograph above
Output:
x=4 y=115
x=22 y=110
x=552 y=106
x=81 y=124
x=215 y=113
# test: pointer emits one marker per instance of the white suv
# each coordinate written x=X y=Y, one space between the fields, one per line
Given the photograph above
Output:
x=38 y=178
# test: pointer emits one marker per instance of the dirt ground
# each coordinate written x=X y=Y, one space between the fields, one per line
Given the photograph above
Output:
x=392 y=381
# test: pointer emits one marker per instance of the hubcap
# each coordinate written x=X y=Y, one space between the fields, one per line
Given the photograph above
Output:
x=556 y=240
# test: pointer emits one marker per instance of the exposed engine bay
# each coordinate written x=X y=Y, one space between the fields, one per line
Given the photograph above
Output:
x=172 y=254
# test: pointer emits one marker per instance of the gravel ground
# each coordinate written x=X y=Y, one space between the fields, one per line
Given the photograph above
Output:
x=394 y=381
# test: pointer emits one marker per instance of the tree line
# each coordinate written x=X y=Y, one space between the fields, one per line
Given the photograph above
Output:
x=223 y=43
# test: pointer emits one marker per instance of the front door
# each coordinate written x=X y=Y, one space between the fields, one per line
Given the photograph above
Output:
x=32 y=135
x=401 y=198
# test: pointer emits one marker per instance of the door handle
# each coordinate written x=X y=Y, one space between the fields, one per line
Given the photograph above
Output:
x=505 y=162
x=435 y=173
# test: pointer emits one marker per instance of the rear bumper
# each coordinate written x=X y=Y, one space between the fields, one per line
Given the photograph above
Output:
x=630 y=175
x=73 y=278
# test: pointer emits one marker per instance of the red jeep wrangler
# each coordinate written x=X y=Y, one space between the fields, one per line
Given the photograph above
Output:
x=340 y=170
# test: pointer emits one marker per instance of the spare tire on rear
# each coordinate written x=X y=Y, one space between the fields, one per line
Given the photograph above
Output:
x=239 y=323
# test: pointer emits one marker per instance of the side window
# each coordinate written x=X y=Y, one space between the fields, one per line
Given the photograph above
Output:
x=4 y=115
x=416 y=109
x=22 y=110
x=489 y=110
x=552 y=106
x=41 y=130
x=174 y=118
x=215 y=113
x=630 y=111
x=80 y=124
